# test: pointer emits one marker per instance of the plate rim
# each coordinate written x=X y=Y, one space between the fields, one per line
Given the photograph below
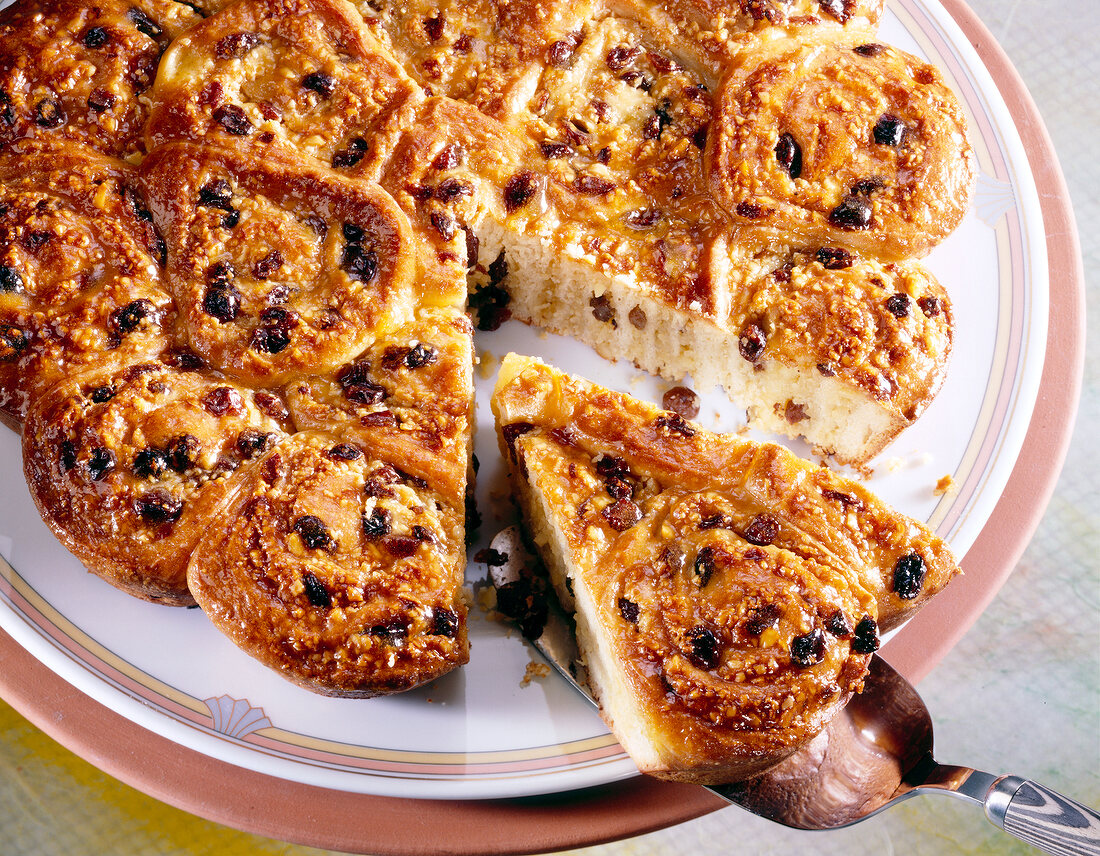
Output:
x=227 y=794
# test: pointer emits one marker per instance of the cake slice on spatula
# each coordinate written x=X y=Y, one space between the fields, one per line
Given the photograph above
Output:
x=728 y=595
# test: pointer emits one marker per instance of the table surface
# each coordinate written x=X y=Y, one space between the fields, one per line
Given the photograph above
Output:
x=1019 y=694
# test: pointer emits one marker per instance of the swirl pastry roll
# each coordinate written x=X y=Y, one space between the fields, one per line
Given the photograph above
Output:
x=72 y=71
x=862 y=147
x=126 y=467
x=728 y=595
x=303 y=76
x=337 y=570
x=280 y=267
x=80 y=272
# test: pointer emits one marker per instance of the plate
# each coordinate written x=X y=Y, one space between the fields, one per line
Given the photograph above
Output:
x=224 y=729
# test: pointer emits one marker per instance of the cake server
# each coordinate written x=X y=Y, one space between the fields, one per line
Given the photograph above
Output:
x=874 y=754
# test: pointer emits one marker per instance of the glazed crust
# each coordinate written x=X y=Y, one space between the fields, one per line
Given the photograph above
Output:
x=337 y=571
x=839 y=145
x=82 y=267
x=728 y=594
x=71 y=71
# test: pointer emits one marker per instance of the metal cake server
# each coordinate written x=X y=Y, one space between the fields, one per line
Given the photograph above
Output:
x=875 y=753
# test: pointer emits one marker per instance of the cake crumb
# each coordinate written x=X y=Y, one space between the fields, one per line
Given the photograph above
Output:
x=487 y=365
x=946 y=486
x=894 y=464
x=534 y=670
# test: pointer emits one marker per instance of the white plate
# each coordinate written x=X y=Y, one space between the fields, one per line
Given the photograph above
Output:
x=480 y=733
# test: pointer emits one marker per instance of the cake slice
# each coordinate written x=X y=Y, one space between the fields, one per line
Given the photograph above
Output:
x=728 y=594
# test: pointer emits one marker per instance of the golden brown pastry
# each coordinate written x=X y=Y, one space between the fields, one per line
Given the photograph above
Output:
x=728 y=595
x=303 y=76
x=76 y=71
x=127 y=467
x=337 y=570
x=859 y=146
x=80 y=271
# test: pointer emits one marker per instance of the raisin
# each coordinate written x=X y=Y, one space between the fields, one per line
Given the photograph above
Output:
x=183 y=451
x=519 y=189
x=321 y=82
x=316 y=592
x=159 y=506
x=628 y=609
x=761 y=618
x=898 y=305
x=233 y=119
x=251 y=442
x=642 y=218
x=356 y=150
x=593 y=185
x=930 y=306
x=345 y=452
x=809 y=649
x=100 y=463
x=795 y=413
x=95 y=37
x=867 y=186
x=377 y=525
x=704 y=648
x=145 y=25
x=11 y=281
x=100 y=100
x=674 y=558
x=444 y=622
x=473 y=245
x=216 y=194
x=450 y=189
x=401 y=547
x=602 y=310
x=638 y=318
x=49 y=113
x=788 y=154
x=34 y=239
x=839 y=9
x=682 y=401
x=846 y=499
x=129 y=317
x=491 y=557
x=835 y=258
x=560 y=53
x=674 y=423
x=870 y=49
x=622 y=514
x=852 y=214
x=273 y=335
x=265 y=267
x=443 y=225
x=463 y=44
x=271 y=405
x=837 y=624
x=889 y=130
x=704 y=566
x=67 y=456
x=449 y=157
x=762 y=531
x=750 y=210
x=150 y=463
x=552 y=151
x=102 y=394
x=314 y=533
x=222 y=400
x=752 y=342
x=433 y=27
x=610 y=467
x=619 y=488
x=865 y=640
x=222 y=302
x=909 y=576
x=619 y=58
x=235 y=45
x=420 y=355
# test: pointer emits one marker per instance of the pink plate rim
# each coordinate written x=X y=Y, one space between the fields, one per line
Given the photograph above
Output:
x=386 y=825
